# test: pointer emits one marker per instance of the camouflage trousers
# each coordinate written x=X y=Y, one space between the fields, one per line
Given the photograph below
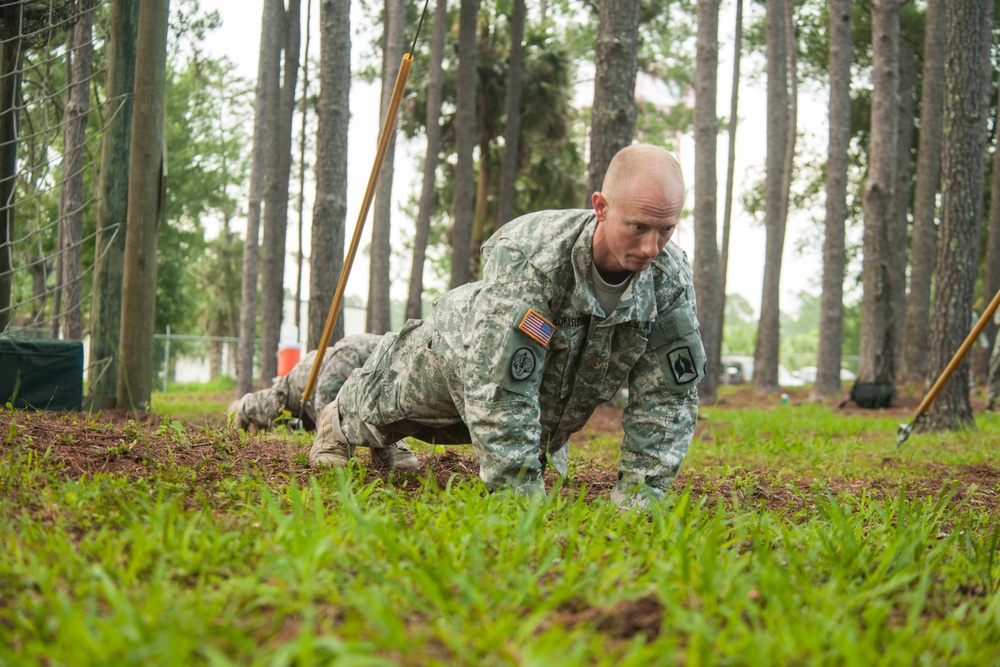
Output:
x=395 y=396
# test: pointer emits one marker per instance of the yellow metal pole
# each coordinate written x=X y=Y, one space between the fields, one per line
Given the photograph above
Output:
x=388 y=127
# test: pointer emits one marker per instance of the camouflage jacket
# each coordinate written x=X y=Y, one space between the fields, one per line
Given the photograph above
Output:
x=535 y=354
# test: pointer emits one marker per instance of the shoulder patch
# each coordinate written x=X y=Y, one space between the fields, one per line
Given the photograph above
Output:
x=682 y=364
x=537 y=327
x=522 y=364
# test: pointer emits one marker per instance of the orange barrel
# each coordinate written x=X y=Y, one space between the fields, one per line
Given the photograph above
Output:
x=288 y=356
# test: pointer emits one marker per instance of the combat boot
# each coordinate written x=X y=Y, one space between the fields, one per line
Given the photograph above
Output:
x=236 y=416
x=396 y=456
x=328 y=449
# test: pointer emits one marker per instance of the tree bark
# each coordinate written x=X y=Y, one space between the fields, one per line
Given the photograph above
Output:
x=727 y=216
x=922 y=246
x=265 y=115
x=877 y=359
x=831 y=322
x=276 y=178
x=79 y=58
x=512 y=115
x=765 y=376
x=300 y=204
x=330 y=208
x=991 y=279
x=706 y=131
x=112 y=207
x=135 y=375
x=966 y=106
x=899 y=220
x=10 y=93
x=613 y=114
x=378 y=317
x=465 y=141
x=435 y=79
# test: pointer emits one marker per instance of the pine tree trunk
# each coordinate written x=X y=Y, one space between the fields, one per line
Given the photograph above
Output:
x=991 y=279
x=135 y=374
x=922 y=246
x=706 y=131
x=300 y=204
x=435 y=78
x=727 y=216
x=899 y=218
x=615 y=61
x=966 y=106
x=381 y=249
x=10 y=92
x=877 y=361
x=112 y=207
x=79 y=60
x=831 y=322
x=265 y=116
x=276 y=189
x=329 y=217
x=765 y=376
x=465 y=141
x=512 y=116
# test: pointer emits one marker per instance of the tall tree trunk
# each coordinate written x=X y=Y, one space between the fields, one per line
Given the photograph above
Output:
x=922 y=249
x=483 y=182
x=146 y=169
x=512 y=116
x=966 y=106
x=435 y=78
x=831 y=319
x=79 y=57
x=706 y=131
x=276 y=189
x=877 y=359
x=300 y=204
x=265 y=116
x=899 y=218
x=612 y=125
x=991 y=279
x=112 y=207
x=10 y=93
x=329 y=217
x=765 y=375
x=727 y=215
x=379 y=306
x=465 y=141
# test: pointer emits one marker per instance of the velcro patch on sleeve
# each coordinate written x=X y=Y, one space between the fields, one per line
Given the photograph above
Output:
x=537 y=327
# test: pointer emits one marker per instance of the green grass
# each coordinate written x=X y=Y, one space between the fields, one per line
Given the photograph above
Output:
x=165 y=569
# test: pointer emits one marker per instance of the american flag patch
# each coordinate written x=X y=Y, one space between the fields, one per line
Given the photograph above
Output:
x=537 y=326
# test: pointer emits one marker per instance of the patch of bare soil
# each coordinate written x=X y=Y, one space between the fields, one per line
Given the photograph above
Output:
x=142 y=445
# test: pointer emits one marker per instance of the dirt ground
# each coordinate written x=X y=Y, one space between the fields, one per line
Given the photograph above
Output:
x=122 y=444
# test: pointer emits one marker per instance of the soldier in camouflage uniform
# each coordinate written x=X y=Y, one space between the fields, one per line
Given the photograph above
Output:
x=263 y=407
x=571 y=305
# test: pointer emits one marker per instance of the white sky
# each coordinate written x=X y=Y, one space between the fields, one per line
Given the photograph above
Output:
x=239 y=39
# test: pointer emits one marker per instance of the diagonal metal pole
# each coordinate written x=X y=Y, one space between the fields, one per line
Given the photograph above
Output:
x=385 y=137
x=904 y=430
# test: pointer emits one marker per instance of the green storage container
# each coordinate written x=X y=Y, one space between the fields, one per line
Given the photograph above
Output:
x=41 y=374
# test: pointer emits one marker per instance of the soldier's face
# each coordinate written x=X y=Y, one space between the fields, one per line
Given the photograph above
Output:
x=633 y=227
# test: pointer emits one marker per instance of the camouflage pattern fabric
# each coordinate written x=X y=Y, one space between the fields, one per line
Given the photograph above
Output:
x=517 y=362
x=263 y=407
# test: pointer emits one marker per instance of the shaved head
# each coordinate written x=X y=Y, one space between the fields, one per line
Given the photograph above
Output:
x=641 y=162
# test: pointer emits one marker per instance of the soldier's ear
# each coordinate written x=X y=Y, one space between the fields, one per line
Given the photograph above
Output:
x=600 y=206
